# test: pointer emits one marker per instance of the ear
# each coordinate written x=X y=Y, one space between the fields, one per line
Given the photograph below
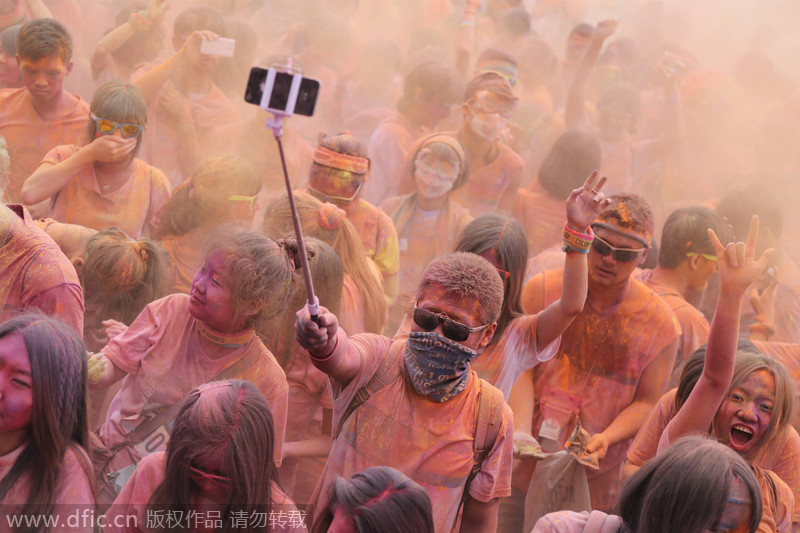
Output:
x=252 y=307
x=694 y=262
x=78 y=264
x=488 y=333
x=643 y=259
x=68 y=69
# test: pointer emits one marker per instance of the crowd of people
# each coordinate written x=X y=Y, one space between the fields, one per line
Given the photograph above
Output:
x=601 y=333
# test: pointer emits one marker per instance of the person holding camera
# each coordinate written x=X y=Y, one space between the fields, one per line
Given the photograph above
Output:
x=183 y=101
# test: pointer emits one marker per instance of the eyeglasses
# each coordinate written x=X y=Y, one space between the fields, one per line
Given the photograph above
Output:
x=455 y=331
x=492 y=104
x=107 y=127
x=238 y=198
x=708 y=257
x=199 y=476
x=624 y=255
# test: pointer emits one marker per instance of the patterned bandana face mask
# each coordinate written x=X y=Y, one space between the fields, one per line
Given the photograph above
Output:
x=438 y=366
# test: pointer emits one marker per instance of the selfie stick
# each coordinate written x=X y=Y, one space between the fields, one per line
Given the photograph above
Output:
x=275 y=123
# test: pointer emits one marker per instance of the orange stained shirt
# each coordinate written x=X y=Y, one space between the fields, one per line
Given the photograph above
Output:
x=694 y=325
x=378 y=235
x=131 y=207
x=72 y=492
x=150 y=473
x=600 y=360
x=29 y=137
x=783 y=458
x=35 y=274
x=542 y=216
x=488 y=184
x=430 y=442
x=164 y=359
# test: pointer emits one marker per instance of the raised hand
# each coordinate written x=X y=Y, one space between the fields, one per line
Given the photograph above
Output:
x=605 y=28
x=585 y=203
x=156 y=8
x=110 y=148
x=317 y=338
x=738 y=268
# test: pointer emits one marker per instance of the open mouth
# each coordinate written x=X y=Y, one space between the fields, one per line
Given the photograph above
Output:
x=741 y=436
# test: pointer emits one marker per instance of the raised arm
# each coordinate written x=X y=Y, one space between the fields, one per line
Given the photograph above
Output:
x=327 y=344
x=737 y=270
x=583 y=206
x=120 y=35
x=574 y=110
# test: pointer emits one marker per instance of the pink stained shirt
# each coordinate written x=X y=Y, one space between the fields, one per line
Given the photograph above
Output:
x=164 y=358
x=73 y=491
x=572 y=522
x=131 y=207
x=29 y=137
x=35 y=274
x=504 y=361
x=128 y=514
x=430 y=442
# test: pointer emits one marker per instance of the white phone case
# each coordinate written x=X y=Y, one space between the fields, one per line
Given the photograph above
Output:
x=220 y=47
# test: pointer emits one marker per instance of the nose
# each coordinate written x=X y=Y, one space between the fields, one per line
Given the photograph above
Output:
x=747 y=412
x=609 y=259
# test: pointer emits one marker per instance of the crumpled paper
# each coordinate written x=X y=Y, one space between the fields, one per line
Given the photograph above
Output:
x=576 y=446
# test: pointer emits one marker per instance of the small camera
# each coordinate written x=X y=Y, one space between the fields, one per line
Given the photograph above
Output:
x=218 y=47
x=281 y=92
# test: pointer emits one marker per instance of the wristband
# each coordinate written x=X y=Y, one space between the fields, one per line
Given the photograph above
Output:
x=575 y=241
x=139 y=21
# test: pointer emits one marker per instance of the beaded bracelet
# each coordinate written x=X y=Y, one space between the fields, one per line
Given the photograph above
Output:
x=575 y=241
x=139 y=21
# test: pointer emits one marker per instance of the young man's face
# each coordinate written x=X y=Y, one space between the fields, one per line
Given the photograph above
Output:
x=608 y=270
x=44 y=78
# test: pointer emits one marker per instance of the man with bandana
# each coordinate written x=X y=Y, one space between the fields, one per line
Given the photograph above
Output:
x=494 y=168
x=615 y=358
x=423 y=419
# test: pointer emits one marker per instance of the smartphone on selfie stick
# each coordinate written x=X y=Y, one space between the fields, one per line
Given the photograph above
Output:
x=284 y=94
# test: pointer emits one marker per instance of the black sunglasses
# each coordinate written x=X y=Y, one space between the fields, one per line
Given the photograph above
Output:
x=624 y=255
x=455 y=331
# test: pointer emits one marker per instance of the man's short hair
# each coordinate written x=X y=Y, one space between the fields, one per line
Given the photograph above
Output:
x=435 y=79
x=41 y=38
x=739 y=206
x=468 y=276
x=686 y=231
x=629 y=211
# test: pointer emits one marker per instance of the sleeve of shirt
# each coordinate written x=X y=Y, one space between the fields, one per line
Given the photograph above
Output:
x=278 y=399
x=494 y=478
x=127 y=349
x=645 y=445
x=63 y=302
x=787 y=467
x=159 y=195
x=127 y=513
x=784 y=505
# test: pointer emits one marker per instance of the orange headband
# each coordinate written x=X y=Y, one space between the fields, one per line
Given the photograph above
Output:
x=351 y=163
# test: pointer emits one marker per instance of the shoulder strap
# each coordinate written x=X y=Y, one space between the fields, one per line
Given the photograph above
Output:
x=487 y=428
x=379 y=379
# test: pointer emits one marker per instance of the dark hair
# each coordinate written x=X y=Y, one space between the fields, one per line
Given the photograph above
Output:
x=40 y=38
x=574 y=155
x=203 y=199
x=507 y=238
x=489 y=81
x=59 y=420
x=328 y=277
x=198 y=18
x=435 y=79
x=380 y=500
x=686 y=488
x=497 y=55
x=739 y=206
x=232 y=421
x=582 y=28
x=121 y=275
x=8 y=39
x=515 y=22
x=257 y=268
x=686 y=231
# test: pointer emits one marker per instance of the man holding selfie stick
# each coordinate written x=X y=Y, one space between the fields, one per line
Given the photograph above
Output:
x=184 y=104
x=415 y=403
